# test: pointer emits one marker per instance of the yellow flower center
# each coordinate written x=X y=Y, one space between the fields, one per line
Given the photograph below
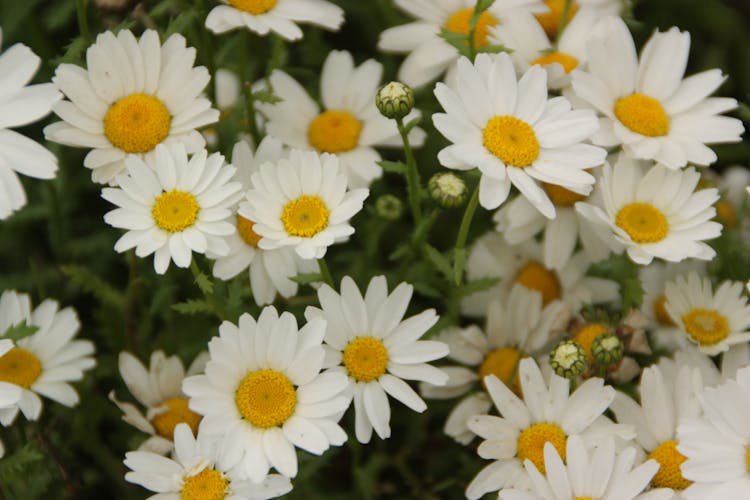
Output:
x=208 y=484
x=643 y=222
x=706 y=326
x=747 y=457
x=567 y=61
x=726 y=214
x=253 y=7
x=562 y=197
x=643 y=115
x=20 y=367
x=584 y=498
x=305 y=217
x=334 y=132
x=177 y=412
x=532 y=439
x=502 y=363
x=459 y=23
x=366 y=359
x=669 y=474
x=266 y=398
x=137 y=123
x=245 y=229
x=175 y=211
x=512 y=140
x=586 y=336
x=660 y=312
x=537 y=277
x=550 y=20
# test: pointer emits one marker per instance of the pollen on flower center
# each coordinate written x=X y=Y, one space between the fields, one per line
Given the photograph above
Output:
x=537 y=277
x=643 y=115
x=137 y=123
x=512 y=140
x=502 y=363
x=561 y=196
x=20 y=367
x=532 y=439
x=266 y=398
x=366 y=359
x=208 y=484
x=660 y=312
x=459 y=23
x=175 y=211
x=245 y=230
x=643 y=222
x=550 y=20
x=254 y=7
x=177 y=412
x=305 y=217
x=334 y=132
x=567 y=61
x=669 y=474
x=587 y=335
x=706 y=326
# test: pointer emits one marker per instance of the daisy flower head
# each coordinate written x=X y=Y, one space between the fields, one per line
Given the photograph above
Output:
x=713 y=321
x=133 y=96
x=348 y=125
x=172 y=205
x=43 y=363
x=302 y=202
x=197 y=472
x=263 y=394
x=653 y=211
x=546 y=413
x=21 y=104
x=647 y=106
x=277 y=16
x=158 y=388
x=514 y=133
x=368 y=342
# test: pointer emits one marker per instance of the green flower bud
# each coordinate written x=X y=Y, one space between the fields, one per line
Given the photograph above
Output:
x=395 y=100
x=607 y=349
x=389 y=207
x=447 y=189
x=568 y=359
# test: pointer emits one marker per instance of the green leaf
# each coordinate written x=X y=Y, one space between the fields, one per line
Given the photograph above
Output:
x=193 y=306
x=459 y=262
x=457 y=40
x=19 y=331
x=393 y=167
x=483 y=5
x=86 y=280
x=307 y=278
x=632 y=293
x=477 y=286
x=439 y=260
x=494 y=49
x=204 y=283
x=266 y=96
x=181 y=23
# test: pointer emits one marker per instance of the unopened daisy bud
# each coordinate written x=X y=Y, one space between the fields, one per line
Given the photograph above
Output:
x=568 y=359
x=607 y=349
x=395 y=100
x=389 y=207
x=447 y=189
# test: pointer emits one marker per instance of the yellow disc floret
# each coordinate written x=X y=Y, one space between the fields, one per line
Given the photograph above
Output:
x=502 y=363
x=747 y=457
x=459 y=23
x=669 y=474
x=512 y=140
x=643 y=115
x=20 y=367
x=550 y=20
x=254 y=7
x=726 y=214
x=537 y=277
x=562 y=197
x=208 y=484
x=706 y=326
x=266 y=398
x=643 y=222
x=245 y=229
x=305 y=217
x=532 y=439
x=334 y=132
x=175 y=211
x=137 y=123
x=177 y=412
x=660 y=312
x=567 y=61
x=366 y=359
x=586 y=336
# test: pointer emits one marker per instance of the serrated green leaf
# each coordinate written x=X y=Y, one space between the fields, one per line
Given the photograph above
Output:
x=478 y=285
x=266 y=96
x=494 y=49
x=393 y=167
x=439 y=260
x=400 y=251
x=19 y=331
x=180 y=23
x=204 y=283
x=483 y=5
x=457 y=40
x=307 y=278
x=89 y=282
x=193 y=306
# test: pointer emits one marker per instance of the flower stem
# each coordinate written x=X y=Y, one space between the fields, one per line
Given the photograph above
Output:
x=325 y=273
x=459 y=253
x=563 y=21
x=83 y=24
x=412 y=174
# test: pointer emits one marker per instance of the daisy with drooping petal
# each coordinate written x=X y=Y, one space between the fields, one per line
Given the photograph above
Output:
x=172 y=206
x=367 y=341
x=21 y=104
x=648 y=107
x=263 y=394
x=278 y=16
x=134 y=95
x=302 y=202
x=43 y=363
x=197 y=472
x=655 y=212
x=513 y=133
x=349 y=125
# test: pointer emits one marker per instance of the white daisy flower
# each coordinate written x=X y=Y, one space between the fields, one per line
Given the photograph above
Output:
x=349 y=125
x=547 y=413
x=263 y=393
x=367 y=341
x=516 y=328
x=732 y=183
x=172 y=206
x=732 y=360
x=134 y=95
x=514 y=133
x=550 y=19
x=302 y=202
x=712 y=321
x=21 y=104
x=429 y=55
x=158 y=388
x=655 y=212
x=10 y=394
x=43 y=363
x=648 y=108
x=269 y=270
x=197 y=472
x=277 y=16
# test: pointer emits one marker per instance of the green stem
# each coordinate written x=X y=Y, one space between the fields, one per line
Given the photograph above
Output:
x=325 y=273
x=252 y=123
x=563 y=21
x=412 y=174
x=463 y=230
x=83 y=24
x=210 y=297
